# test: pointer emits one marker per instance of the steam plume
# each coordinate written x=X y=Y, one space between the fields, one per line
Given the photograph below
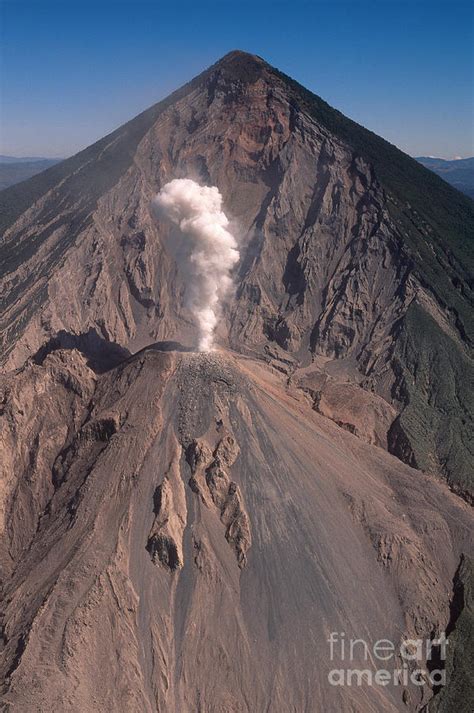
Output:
x=197 y=210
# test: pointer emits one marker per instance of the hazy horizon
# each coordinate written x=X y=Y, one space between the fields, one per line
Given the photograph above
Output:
x=62 y=158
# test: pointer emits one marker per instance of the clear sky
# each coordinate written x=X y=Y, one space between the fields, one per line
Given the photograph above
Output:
x=72 y=71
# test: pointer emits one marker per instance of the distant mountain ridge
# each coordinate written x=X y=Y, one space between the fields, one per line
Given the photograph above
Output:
x=14 y=170
x=25 y=159
x=458 y=172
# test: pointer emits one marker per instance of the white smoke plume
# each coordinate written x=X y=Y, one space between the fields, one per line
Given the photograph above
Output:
x=197 y=210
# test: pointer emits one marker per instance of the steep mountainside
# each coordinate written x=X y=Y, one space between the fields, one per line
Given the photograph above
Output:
x=183 y=531
x=353 y=253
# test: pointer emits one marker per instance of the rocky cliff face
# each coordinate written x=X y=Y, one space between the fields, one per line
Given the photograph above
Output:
x=165 y=500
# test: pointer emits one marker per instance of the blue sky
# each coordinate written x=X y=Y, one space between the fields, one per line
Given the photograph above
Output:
x=71 y=72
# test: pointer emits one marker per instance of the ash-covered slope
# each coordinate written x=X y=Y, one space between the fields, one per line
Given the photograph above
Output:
x=354 y=255
x=183 y=531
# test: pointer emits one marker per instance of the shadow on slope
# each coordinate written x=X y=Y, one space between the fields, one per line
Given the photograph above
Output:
x=101 y=355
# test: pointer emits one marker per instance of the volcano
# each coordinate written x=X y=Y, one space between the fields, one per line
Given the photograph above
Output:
x=183 y=531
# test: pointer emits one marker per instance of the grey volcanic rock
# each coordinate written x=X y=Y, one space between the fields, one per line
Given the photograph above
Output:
x=165 y=541
x=335 y=535
x=211 y=470
x=182 y=531
x=336 y=261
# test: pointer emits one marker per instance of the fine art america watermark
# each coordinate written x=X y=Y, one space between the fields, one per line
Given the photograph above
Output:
x=413 y=661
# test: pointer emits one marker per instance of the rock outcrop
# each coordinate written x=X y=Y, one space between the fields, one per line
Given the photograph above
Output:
x=165 y=541
x=210 y=472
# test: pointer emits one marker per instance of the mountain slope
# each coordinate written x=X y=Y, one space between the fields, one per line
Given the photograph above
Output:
x=347 y=243
x=182 y=531
x=202 y=533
